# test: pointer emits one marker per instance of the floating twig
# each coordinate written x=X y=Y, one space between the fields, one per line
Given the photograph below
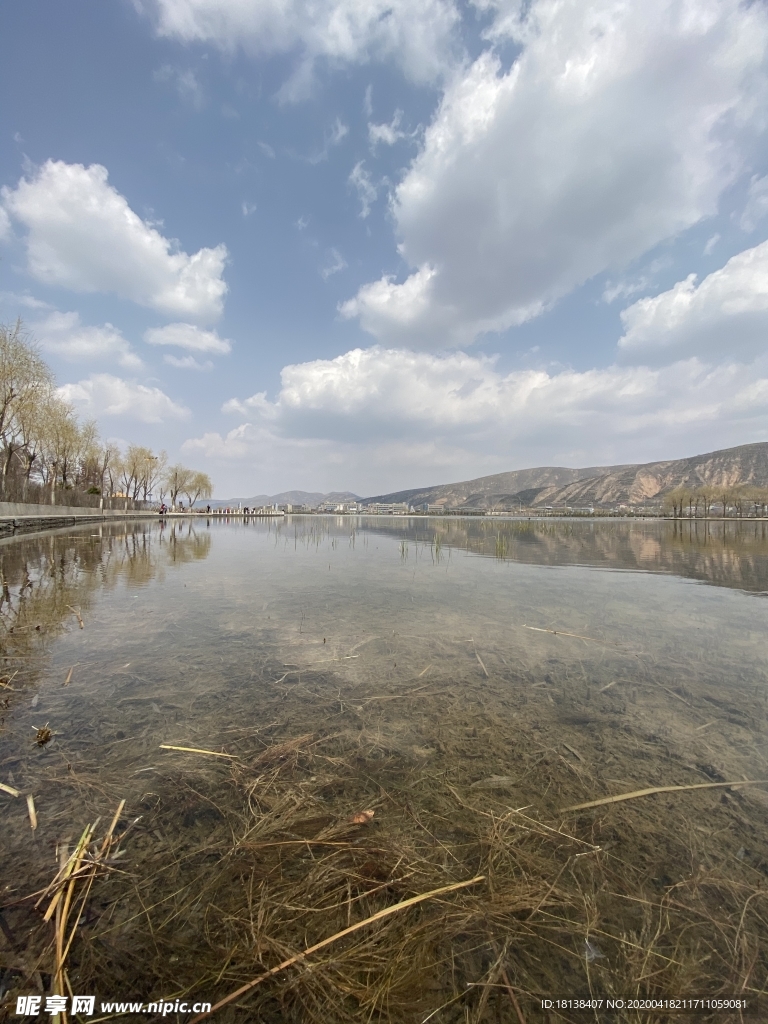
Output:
x=576 y=636
x=482 y=666
x=604 y=688
x=197 y=750
x=660 y=789
x=79 y=616
x=380 y=915
x=9 y=790
x=6 y=684
x=68 y=680
x=32 y=811
x=573 y=750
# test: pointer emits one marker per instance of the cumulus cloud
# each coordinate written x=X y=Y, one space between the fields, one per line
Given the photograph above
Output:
x=472 y=415
x=103 y=394
x=725 y=315
x=188 y=336
x=83 y=235
x=64 y=335
x=617 y=126
x=417 y=34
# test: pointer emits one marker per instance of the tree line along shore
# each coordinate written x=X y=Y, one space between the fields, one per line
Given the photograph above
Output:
x=47 y=456
x=738 y=500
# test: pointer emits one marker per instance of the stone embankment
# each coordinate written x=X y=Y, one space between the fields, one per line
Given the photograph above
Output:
x=17 y=517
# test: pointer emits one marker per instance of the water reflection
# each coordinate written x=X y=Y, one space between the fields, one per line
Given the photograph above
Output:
x=729 y=554
x=51 y=580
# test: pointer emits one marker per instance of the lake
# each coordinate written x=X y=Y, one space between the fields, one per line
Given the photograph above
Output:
x=378 y=710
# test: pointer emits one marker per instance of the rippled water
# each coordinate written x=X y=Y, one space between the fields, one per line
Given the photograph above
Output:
x=634 y=649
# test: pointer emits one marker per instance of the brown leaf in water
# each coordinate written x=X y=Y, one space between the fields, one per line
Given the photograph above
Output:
x=361 y=818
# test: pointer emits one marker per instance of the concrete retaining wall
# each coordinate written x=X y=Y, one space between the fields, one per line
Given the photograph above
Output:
x=18 y=508
x=16 y=517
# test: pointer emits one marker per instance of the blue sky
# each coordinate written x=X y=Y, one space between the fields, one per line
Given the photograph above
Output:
x=373 y=244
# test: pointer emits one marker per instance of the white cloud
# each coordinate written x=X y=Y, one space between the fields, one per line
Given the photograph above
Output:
x=417 y=34
x=624 y=287
x=379 y=415
x=334 y=264
x=757 y=204
x=332 y=137
x=64 y=335
x=23 y=299
x=388 y=134
x=248 y=208
x=726 y=315
x=188 y=336
x=102 y=394
x=712 y=241
x=187 y=363
x=6 y=231
x=618 y=126
x=83 y=235
x=366 y=190
x=185 y=83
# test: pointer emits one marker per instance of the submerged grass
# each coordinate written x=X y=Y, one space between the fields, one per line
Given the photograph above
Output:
x=236 y=868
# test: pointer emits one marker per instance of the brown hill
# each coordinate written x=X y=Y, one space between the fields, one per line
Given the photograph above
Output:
x=602 y=486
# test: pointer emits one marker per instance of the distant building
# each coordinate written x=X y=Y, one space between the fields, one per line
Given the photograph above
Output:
x=395 y=508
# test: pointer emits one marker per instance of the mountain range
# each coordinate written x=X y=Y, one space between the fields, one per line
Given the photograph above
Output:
x=601 y=486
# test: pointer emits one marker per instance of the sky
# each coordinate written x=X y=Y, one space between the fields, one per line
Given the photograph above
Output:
x=376 y=244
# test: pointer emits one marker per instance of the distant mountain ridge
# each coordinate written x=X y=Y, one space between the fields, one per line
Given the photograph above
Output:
x=602 y=486
x=312 y=498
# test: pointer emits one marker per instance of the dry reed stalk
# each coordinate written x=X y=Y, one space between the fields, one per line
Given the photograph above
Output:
x=660 y=789
x=576 y=636
x=79 y=616
x=71 y=870
x=68 y=680
x=9 y=790
x=32 y=811
x=379 y=916
x=198 y=750
x=512 y=996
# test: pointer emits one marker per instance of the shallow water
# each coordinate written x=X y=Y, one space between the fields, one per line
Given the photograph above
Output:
x=634 y=653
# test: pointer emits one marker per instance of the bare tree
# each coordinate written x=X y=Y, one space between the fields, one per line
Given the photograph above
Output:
x=675 y=499
x=197 y=486
x=59 y=441
x=24 y=376
x=177 y=479
x=32 y=416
